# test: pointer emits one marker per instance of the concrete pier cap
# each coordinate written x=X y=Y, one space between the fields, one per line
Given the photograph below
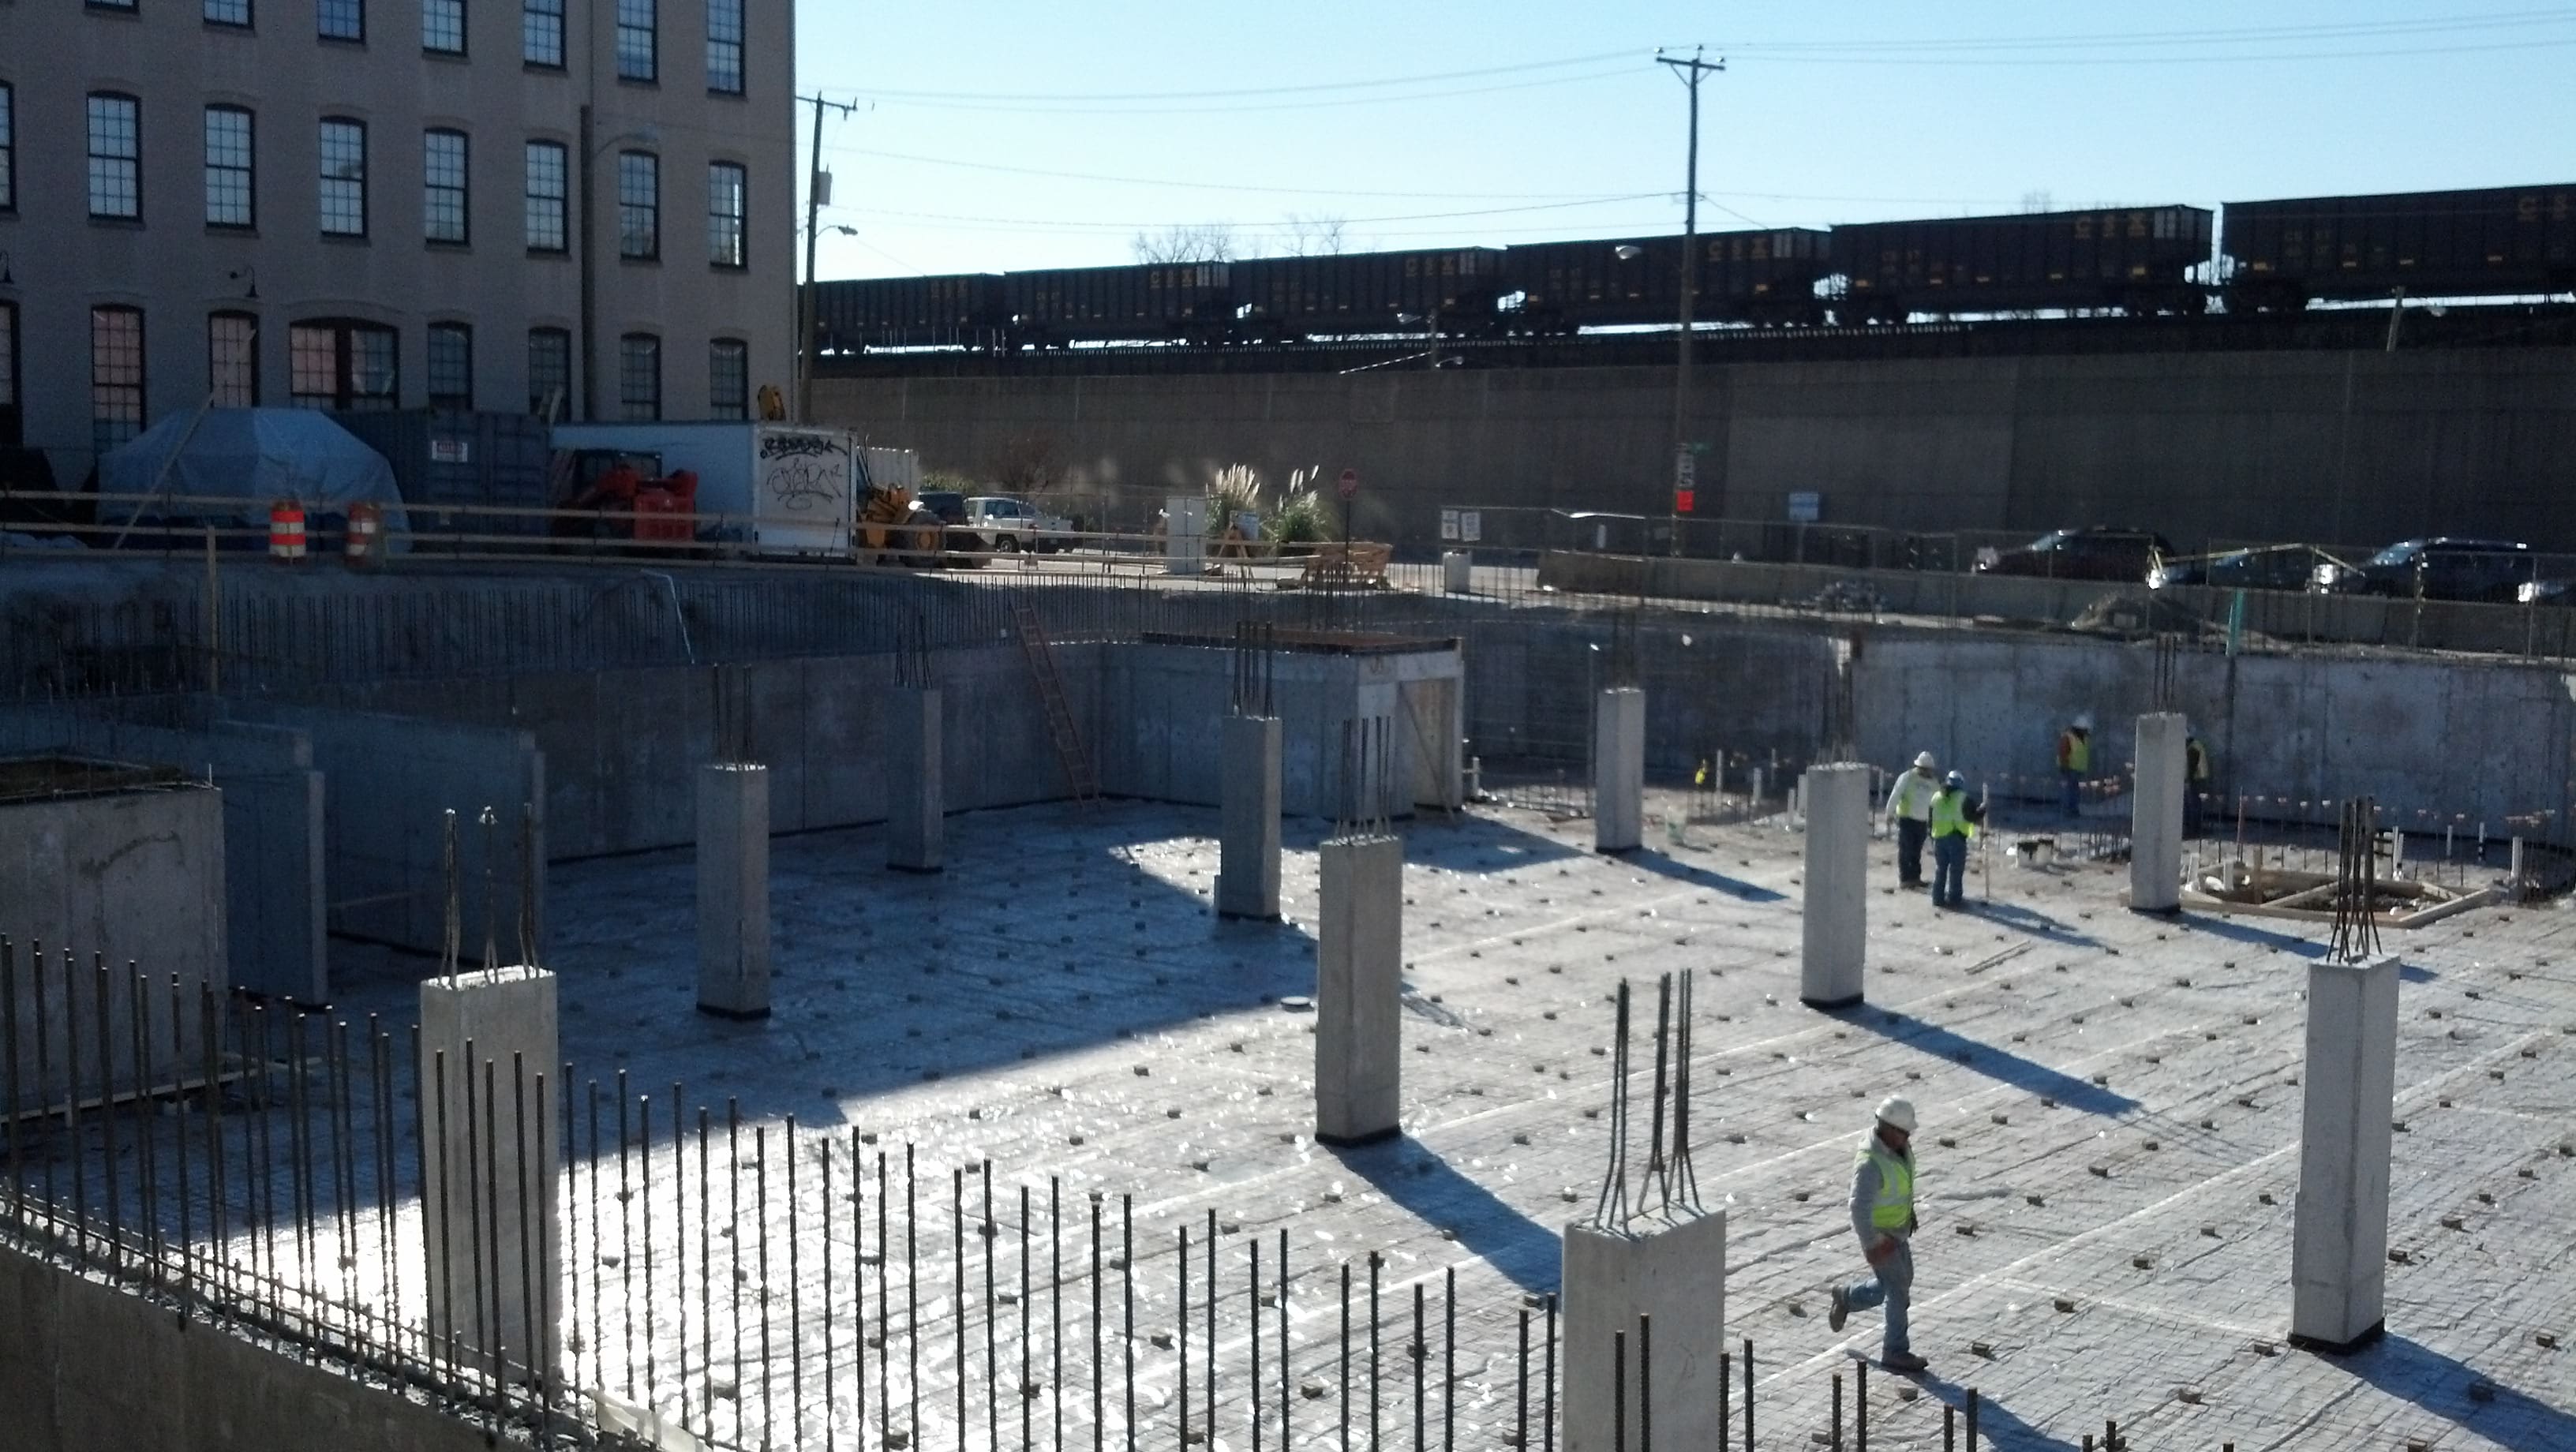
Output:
x=1359 y=990
x=2339 y=1246
x=733 y=890
x=1619 y=770
x=1247 y=884
x=490 y=1077
x=1834 y=910
x=1669 y=1265
x=916 y=809
x=2156 y=814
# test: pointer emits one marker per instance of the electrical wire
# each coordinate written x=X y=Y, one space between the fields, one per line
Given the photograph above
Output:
x=1172 y=182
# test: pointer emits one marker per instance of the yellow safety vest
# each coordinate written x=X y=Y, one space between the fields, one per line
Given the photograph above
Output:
x=2079 y=752
x=1950 y=815
x=1894 y=1207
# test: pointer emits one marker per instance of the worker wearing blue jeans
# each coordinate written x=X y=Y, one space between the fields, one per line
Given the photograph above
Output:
x=1951 y=829
x=1882 y=1211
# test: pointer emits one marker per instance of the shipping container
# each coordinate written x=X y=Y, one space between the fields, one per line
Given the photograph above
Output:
x=2493 y=242
x=2135 y=258
x=794 y=489
x=440 y=456
x=1372 y=292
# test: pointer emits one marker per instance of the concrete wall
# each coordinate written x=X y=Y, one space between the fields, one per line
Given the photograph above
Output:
x=89 y=1368
x=1745 y=687
x=135 y=877
x=2357 y=447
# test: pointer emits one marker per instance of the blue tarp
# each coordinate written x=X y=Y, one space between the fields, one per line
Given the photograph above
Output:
x=256 y=455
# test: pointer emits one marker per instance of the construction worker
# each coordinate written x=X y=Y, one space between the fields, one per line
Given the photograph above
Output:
x=2075 y=761
x=1882 y=1212
x=1953 y=823
x=1909 y=806
x=2195 y=791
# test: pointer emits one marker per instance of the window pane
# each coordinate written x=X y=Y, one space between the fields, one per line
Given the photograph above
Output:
x=639 y=204
x=639 y=378
x=115 y=376
x=724 y=213
x=371 y=368
x=341 y=365
x=344 y=179
x=442 y=26
x=228 y=167
x=451 y=366
x=549 y=372
x=228 y=12
x=635 y=41
x=232 y=361
x=313 y=366
x=443 y=185
x=545 y=196
x=728 y=379
x=724 y=46
x=8 y=148
x=541 y=32
x=115 y=144
x=342 y=19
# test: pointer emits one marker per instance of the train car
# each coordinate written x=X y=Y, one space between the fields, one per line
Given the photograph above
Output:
x=1370 y=292
x=2490 y=242
x=855 y=314
x=1151 y=303
x=2134 y=258
x=1763 y=276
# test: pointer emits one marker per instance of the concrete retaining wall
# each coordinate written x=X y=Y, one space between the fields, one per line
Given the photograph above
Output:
x=89 y=1368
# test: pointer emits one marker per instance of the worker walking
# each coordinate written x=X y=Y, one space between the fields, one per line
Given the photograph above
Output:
x=2195 y=791
x=1909 y=806
x=1882 y=1212
x=1954 y=821
x=2075 y=761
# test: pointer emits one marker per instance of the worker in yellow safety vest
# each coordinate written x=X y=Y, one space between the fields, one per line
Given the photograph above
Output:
x=1954 y=822
x=2195 y=791
x=1882 y=1213
x=2075 y=760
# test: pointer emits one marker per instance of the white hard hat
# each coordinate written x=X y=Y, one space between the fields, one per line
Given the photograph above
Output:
x=1925 y=761
x=1897 y=1110
x=2084 y=722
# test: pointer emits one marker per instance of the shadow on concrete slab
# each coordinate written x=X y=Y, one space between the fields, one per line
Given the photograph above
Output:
x=2038 y=924
x=1663 y=865
x=2001 y=1065
x=2458 y=1393
x=1996 y=1424
x=2237 y=931
x=1528 y=1254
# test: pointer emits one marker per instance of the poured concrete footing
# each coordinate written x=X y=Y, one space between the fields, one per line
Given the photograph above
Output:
x=2339 y=1246
x=733 y=890
x=490 y=1078
x=2156 y=813
x=1359 y=988
x=1671 y=1267
x=916 y=814
x=1834 y=910
x=1247 y=884
x=1619 y=770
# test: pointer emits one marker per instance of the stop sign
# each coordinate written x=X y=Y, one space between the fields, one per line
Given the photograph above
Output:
x=1350 y=483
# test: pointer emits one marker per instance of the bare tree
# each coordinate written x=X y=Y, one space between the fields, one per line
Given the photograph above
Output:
x=1316 y=236
x=1185 y=242
x=1029 y=464
x=2037 y=201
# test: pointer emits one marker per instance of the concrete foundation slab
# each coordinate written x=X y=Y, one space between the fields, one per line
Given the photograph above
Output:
x=915 y=812
x=489 y=1073
x=1670 y=1267
x=1247 y=884
x=733 y=890
x=1619 y=770
x=1359 y=985
x=2339 y=1246
x=1834 y=902
x=2156 y=813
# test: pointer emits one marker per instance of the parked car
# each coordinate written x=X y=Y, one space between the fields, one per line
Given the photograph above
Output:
x=2095 y=553
x=2272 y=567
x=2442 y=568
x=1007 y=525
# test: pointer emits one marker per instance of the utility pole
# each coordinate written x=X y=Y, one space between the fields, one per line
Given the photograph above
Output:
x=1691 y=69
x=815 y=181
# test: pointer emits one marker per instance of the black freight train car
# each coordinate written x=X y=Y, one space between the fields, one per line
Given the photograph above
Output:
x=1764 y=276
x=2134 y=258
x=1370 y=292
x=2484 y=243
x=1153 y=303
x=963 y=309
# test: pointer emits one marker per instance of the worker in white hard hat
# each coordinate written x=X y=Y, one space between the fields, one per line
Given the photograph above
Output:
x=1882 y=1211
x=2075 y=760
x=1909 y=807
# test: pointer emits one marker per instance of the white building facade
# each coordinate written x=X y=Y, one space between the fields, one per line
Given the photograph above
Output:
x=576 y=207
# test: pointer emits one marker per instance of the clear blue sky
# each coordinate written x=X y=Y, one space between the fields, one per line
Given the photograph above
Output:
x=1004 y=136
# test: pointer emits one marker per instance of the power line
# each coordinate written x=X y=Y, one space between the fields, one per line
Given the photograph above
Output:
x=1104 y=224
x=1050 y=173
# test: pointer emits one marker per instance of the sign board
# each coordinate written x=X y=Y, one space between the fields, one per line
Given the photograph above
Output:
x=1685 y=471
x=451 y=451
x=1471 y=525
x=1449 y=524
x=1350 y=483
x=1806 y=507
x=1684 y=499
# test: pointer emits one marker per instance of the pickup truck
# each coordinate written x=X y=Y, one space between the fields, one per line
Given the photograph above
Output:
x=999 y=523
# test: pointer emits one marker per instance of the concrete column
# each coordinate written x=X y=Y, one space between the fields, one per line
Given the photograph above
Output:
x=1835 y=908
x=491 y=1107
x=1185 y=531
x=2339 y=1252
x=1247 y=883
x=1672 y=1267
x=733 y=890
x=2155 y=815
x=915 y=817
x=1359 y=983
x=1619 y=770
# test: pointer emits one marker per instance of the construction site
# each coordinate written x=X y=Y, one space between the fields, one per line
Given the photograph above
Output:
x=1139 y=996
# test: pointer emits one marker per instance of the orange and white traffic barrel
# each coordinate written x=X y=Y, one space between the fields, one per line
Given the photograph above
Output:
x=366 y=534
x=286 y=530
